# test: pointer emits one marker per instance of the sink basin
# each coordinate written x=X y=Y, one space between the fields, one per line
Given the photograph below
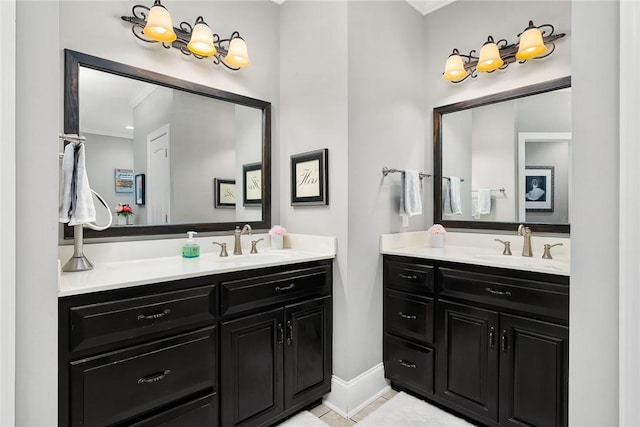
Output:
x=255 y=258
x=519 y=261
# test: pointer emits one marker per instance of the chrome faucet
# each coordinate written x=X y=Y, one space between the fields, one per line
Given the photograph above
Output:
x=526 y=246
x=237 y=233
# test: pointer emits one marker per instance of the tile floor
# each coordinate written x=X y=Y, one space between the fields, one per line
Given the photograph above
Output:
x=335 y=420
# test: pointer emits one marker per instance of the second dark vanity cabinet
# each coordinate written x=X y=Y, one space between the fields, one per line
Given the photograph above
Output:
x=501 y=343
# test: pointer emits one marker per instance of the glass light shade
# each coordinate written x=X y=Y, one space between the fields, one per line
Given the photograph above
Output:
x=531 y=44
x=201 y=42
x=489 y=57
x=238 y=55
x=159 y=26
x=454 y=68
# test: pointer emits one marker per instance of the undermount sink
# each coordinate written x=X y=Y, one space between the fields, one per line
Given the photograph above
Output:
x=520 y=261
x=259 y=257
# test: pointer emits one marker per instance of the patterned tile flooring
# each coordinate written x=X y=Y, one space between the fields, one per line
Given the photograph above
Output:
x=335 y=420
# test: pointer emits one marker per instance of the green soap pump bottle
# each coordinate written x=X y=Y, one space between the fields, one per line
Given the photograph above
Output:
x=191 y=249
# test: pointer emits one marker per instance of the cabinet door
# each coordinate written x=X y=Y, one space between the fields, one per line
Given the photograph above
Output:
x=251 y=374
x=468 y=358
x=534 y=366
x=307 y=351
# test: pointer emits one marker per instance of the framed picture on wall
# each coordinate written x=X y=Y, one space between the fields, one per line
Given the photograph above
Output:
x=252 y=188
x=124 y=180
x=538 y=191
x=224 y=193
x=140 y=189
x=309 y=178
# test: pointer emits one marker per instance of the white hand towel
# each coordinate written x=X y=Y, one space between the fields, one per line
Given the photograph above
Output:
x=66 y=190
x=410 y=194
x=446 y=197
x=77 y=205
x=454 y=194
x=484 y=201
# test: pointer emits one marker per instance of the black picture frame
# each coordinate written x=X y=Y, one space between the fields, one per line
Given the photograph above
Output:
x=139 y=186
x=224 y=193
x=539 y=188
x=252 y=184
x=310 y=178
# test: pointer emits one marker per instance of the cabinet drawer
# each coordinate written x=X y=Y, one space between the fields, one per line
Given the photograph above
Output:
x=116 y=386
x=198 y=412
x=408 y=364
x=408 y=277
x=108 y=322
x=409 y=315
x=245 y=294
x=530 y=296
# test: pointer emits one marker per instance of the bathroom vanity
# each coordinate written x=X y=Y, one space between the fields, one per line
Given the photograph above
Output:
x=488 y=342
x=236 y=342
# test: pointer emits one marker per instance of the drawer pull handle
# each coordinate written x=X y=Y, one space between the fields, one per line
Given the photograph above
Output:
x=409 y=277
x=154 y=378
x=501 y=293
x=407 y=316
x=407 y=364
x=154 y=316
x=285 y=288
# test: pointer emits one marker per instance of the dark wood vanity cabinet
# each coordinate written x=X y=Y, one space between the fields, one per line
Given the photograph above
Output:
x=245 y=348
x=501 y=344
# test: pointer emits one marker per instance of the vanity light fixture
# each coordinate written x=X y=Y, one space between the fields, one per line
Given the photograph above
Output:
x=533 y=43
x=155 y=25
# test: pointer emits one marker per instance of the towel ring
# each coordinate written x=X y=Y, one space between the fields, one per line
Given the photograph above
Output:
x=94 y=226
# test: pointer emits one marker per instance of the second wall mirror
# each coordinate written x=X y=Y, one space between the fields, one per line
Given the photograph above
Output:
x=504 y=159
x=168 y=148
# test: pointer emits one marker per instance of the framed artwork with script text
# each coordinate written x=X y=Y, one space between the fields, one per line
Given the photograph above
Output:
x=252 y=190
x=310 y=178
x=224 y=192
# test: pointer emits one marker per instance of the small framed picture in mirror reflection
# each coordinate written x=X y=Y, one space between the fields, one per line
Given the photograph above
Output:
x=252 y=189
x=539 y=188
x=124 y=180
x=224 y=193
x=139 y=185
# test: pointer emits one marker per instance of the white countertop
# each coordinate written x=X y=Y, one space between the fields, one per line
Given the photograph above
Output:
x=120 y=268
x=481 y=249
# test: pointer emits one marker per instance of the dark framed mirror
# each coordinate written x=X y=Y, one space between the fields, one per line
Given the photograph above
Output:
x=181 y=136
x=504 y=159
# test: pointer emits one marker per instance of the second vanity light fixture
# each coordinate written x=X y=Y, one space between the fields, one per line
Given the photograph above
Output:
x=155 y=25
x=533 y=43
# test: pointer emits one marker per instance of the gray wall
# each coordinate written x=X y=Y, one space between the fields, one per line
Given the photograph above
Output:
x=593 y=310
x=554 y=154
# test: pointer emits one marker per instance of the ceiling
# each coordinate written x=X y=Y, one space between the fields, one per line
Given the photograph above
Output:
x=422 y=6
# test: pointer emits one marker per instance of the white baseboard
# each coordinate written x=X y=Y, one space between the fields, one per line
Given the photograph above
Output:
x=347 y=398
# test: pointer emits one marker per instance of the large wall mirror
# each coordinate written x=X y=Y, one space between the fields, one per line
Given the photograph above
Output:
x=504 y=159
x=183 y=156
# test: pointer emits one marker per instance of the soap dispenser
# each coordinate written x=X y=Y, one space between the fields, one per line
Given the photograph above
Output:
x=191 y=249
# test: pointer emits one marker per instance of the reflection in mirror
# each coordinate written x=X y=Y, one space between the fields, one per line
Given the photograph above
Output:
x=184 y=139
x=504 y=159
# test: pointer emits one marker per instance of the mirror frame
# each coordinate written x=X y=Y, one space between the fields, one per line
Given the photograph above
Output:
x=538 y=88
x=73 y=61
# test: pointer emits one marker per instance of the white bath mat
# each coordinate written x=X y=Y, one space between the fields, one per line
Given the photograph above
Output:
x=407 y=411
x=304 y=419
